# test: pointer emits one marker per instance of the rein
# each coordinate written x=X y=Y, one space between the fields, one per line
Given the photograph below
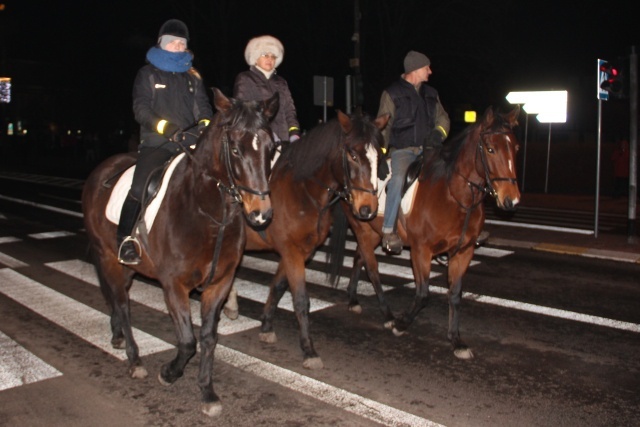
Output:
x=233 y=191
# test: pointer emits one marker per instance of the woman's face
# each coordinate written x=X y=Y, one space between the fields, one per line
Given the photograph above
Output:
x=267 y=61
x=177 y=45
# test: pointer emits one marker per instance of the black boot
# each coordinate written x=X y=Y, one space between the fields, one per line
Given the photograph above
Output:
x=127 y=251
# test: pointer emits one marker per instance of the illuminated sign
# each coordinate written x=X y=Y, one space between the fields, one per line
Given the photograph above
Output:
x=550 y=105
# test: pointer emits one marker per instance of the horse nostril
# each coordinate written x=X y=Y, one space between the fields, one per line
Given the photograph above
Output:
x=365 y=211
x=508 y=204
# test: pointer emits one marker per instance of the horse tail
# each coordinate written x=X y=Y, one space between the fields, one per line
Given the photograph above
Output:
x=335 y=253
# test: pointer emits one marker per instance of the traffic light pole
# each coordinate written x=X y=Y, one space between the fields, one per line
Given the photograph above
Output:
x=597 y=209
x=633 y=145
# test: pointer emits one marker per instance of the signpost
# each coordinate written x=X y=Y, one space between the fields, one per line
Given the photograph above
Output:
x=550 y=107
x=323 y=93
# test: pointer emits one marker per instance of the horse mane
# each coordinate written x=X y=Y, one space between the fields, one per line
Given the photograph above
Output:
x=442 y=162
x=310 y=152
x=243 y=115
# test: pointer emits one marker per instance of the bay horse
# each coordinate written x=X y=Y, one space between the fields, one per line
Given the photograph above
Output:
x=197 y=237
x=446 y=217
x=337 y=160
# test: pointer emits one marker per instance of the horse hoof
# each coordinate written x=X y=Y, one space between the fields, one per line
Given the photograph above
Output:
x=138 y=372
x=268 y=337
x=212 y=409
x=118 y=343
x=163 y=381
x=389 y=324
x=463 y=353
x=231 y=314
x=357 y=309
x=398 y=332
x=313 y=363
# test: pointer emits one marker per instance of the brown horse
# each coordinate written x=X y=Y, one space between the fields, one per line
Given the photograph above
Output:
x=334 y=161
x=446 y=217
x=197 y=237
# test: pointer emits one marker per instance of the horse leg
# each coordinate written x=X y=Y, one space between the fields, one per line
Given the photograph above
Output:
x=277 y=289
x=210 y=305
x=421 y=263
x=295 y=269
x=115 y=281
x=354 y=279
x=458 y=265
x=231 y=308
x=178 y=303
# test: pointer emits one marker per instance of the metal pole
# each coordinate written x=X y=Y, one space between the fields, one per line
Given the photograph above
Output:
x=324 y=99
x=546 y=180
x=524 y=160
x=348 y=90
x=595 y=223
x=633 y=145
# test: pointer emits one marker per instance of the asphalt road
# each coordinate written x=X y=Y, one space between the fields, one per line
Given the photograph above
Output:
x=555 y=339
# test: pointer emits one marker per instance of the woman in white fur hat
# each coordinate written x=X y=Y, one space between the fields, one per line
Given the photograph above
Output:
x=263 y=55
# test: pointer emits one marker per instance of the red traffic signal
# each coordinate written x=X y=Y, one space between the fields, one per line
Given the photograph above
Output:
x=611 y=82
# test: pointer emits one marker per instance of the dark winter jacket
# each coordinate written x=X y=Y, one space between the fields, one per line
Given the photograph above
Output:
x=253 y=85
x=178 y=97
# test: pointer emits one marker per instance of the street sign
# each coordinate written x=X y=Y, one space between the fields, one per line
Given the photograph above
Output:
x=549 y=105
x=602 y=76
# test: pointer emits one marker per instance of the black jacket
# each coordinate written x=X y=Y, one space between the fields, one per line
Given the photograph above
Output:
x=179 y=98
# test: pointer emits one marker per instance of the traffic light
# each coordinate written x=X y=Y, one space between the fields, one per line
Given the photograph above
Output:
x=612 y=81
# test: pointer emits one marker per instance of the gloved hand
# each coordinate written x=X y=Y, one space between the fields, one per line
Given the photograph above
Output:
x=173 y=132
x=294 y=138
x=435 y=139
x=202 y=125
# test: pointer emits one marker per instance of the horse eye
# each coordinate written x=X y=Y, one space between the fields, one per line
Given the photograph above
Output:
x=235 y=151
x=490 y=150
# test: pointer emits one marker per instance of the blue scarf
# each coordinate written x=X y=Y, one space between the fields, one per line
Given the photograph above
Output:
x=177 y=62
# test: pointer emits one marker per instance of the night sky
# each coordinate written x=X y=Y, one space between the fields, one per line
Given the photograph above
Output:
x=74 y=62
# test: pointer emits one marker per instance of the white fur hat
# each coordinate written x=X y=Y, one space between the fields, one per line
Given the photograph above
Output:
x=263 y=44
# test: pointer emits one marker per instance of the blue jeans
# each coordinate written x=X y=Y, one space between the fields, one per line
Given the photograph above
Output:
x=401 y=159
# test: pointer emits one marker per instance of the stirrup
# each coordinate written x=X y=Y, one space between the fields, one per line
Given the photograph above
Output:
x=137 y=249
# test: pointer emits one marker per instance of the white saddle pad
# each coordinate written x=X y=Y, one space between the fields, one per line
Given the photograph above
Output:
x=121 y=189
x=407 y=200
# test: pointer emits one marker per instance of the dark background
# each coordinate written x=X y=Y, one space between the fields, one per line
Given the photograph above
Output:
x=73 y=63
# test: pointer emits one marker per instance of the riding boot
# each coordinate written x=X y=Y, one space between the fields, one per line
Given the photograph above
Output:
x=127 y=251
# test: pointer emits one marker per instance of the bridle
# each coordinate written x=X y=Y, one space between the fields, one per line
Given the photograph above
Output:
x=233 y=189
x=482 y=148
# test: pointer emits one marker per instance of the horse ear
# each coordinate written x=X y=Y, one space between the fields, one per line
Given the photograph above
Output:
x=487 y=118
x=221 y=102
x=345 y=122
x=269 y=107
x=381 y=121
x=512 y=117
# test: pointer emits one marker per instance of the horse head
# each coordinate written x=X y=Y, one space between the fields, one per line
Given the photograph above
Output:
x=362 y=139
x=245 y=149
x=497 y=150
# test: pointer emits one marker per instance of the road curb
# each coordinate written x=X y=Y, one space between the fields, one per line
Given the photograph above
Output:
x=569 y=250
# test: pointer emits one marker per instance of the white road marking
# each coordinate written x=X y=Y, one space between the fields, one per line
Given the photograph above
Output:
x=51 y=235
x=19 y=367
x=79 y=319
x=9 y=239
x=11 y=262
x=151 y=296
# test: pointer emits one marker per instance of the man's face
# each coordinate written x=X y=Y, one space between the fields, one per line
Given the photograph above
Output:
x=424 y=73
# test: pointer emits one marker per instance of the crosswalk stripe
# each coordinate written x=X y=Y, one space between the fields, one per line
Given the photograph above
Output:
x=51 y=235
x=8 y=239
x=151 y=296
x=11 y=262
x=19 y=367
x=257 y=292
x=79 y=319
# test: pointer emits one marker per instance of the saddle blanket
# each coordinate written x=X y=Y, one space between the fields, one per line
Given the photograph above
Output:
x=121 y=189
x=407 y=200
